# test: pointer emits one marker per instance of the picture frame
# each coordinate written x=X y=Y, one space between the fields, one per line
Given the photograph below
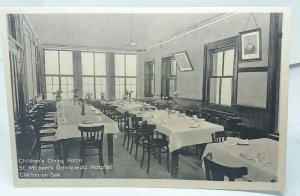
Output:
x=250 y=48
x=183 y=61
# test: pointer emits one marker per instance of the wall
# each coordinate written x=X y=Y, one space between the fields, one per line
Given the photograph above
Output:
x=189 y=84
x=194 y=44
x=27 y=50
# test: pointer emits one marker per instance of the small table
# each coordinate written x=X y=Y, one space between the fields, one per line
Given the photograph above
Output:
x=70 y=130
x=229 y=155
x=181 y=131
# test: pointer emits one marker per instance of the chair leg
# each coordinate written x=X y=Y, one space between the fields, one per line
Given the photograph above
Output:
x=168 y=165
x=159 y=156
x=136 y=148
x=128 y=137
x=124 y=138
x=101 y=159
x=142 y=161
x=133 y=138
x=148 y=165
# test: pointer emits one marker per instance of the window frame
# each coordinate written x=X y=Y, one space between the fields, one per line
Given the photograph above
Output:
x=59 y=75
x=168 y=77
x=148 y=76
x=125 y=76
x=209 y=49
x=94 y=76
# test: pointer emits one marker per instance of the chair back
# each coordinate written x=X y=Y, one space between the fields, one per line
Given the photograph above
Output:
x=90 y=133
x=221 y=136
x=148 y=131
x=217 y=172
x=136 y=123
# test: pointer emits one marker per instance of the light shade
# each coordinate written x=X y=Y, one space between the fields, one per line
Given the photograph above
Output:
x=131 y=43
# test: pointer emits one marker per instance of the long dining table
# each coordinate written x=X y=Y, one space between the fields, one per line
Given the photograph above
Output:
x=68 y=128
x=235 y=155
x=181 y=131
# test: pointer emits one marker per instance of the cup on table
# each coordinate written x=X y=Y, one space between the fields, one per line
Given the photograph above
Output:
x=194 y=116
x=176 y=112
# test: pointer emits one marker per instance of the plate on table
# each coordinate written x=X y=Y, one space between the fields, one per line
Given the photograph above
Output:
x=88 y=122
x=193 y=125
x=181 y=114
x=199 y=119
x=230 y=143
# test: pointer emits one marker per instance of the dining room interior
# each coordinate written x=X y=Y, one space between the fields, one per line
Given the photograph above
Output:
x=189 y=96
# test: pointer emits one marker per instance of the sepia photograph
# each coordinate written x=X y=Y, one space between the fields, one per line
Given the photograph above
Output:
x=155 y=98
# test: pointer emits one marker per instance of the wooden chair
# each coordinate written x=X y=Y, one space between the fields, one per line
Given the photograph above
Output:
x=150 y=144
x=137 y=133
x=128 y=130
x=217 y=172
x=91 y=138
x=44 y=139
x=221 y=136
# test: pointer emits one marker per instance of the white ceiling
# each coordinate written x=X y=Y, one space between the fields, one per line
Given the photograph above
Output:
x=112 y=31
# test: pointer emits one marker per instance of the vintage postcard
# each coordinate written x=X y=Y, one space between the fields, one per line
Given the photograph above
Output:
x=147 y=97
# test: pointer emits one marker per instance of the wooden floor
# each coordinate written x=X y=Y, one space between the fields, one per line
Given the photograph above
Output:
x=125 y=166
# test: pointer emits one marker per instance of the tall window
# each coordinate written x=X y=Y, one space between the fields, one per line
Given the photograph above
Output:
x=220 y=75
x=12 y=26
x=149 y=79
x=168 y=77
x=94 y=74
x=125 y=75
x=59 y=73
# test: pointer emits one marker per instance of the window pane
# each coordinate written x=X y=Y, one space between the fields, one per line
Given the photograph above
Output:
x=63 y=80
x=130 y=65
x=55 y=80
x=66 y=62
x=119 y=65
x=49 y=88
x=226 y=91
x=172 y=88
x=55 y=87
x=214 y=90
x=100 y=64
x=48 y=80
x=87 y=62
x=70 y=80
x=51 y=62
x=228 y=62
x=64 y=88
x=50 y=96
x=173 y=68
x=217 y=62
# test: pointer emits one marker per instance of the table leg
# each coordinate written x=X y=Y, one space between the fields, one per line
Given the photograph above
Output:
x=174 y=163
x=110 y=148
x=63 y=151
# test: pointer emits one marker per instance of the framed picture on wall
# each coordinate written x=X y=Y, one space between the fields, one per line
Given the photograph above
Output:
x=250 y=45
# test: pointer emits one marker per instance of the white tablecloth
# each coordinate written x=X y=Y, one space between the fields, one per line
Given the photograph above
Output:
x=179 y=131
x=74 y=118
x=132 y=106
x=229 y=155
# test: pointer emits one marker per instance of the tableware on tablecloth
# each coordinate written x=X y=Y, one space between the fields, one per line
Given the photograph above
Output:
x=87 y=121
x=261 y=159
x=194 y=125
x=241 y=141
x=230 y=141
